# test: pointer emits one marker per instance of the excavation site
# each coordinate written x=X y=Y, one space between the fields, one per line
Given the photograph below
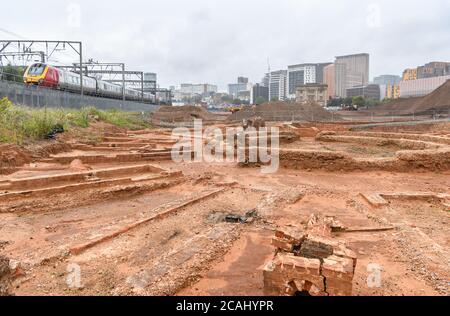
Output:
x=355 y=208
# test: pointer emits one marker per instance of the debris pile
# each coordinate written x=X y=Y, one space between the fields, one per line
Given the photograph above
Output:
x=309 y=263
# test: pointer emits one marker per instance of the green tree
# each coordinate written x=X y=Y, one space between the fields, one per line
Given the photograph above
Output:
x=358 y=101
x=236 y=102
x=335 y=102
x=260 y=100
x=11 y=73
x=348 y=101
x=274 y=99
x=226 y=98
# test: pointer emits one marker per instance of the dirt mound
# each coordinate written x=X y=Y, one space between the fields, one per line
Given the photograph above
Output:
x=284 y=111
x=78 y=166
x=186 y=113
x=438 y=101
x=12 y=156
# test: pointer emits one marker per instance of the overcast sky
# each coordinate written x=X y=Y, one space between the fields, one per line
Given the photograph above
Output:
x=216 y=41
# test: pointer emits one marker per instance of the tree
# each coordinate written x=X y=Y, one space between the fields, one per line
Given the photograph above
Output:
x=372 y=102
x=236 y=102
x=358 y=101
x=226 y=98
x=274 y=99
x=348 y=101
x=260 y=100
x=11 y=73
x=335 y=102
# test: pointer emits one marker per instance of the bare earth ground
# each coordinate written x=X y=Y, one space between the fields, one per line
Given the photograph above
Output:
x=161 y=232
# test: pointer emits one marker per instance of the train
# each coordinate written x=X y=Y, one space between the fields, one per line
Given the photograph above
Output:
x=45 y=75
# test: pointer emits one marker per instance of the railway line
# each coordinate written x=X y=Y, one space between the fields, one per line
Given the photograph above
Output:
x=45 y=75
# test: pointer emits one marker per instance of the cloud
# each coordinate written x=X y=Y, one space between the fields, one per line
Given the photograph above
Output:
x=216 y=41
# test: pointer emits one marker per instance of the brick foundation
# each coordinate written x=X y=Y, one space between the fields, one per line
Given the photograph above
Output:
x=309 y=263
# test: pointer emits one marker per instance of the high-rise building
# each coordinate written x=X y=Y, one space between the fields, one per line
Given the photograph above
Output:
x=410 y=74
x=351 y=71
x=387 y=79
x=433 y=69
x=242 y=80
x=392 y=91
x=235 y=89
x=265 y=80
x=302 y=74
x=278 y=85
x=298 y=75
x=189 y=90
x=329 y=79
x=259 y=91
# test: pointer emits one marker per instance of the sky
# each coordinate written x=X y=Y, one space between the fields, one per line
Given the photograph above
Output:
x=215 y=41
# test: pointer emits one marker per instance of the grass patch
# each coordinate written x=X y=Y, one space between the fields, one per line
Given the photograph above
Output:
x=19 y=124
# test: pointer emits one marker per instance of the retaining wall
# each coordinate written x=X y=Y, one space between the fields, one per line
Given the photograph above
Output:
x=35 y=96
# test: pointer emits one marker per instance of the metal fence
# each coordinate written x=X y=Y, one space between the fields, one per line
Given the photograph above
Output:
x=36 y=96
x=396 y=116
x=301 y=115
x=304 y=116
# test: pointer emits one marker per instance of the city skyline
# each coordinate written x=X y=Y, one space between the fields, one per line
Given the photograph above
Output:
x=168 y=37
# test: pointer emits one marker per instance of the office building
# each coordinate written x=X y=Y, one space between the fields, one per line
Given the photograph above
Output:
x=351 y=71
x=371 y=91
x=278 y=85
x=392 y=91
x=329 y=79
x=410 y=74
x=301 y=74
x=203 y=89
x=259 y=92
x=387 y=79
x=242 y=80
x=433 y=69
x=421 y=87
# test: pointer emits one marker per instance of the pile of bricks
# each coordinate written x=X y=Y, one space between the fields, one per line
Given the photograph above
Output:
x=309 y=264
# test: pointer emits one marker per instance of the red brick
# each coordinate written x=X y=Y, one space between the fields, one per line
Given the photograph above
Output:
x=338 y=268
x=317 y=281
x=336 y=287
x=320 y=229
x=282 y=244
x=299 y=265
x=342 y=251
x=292 y=234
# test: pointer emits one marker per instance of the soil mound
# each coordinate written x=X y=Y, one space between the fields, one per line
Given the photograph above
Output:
x=186 y=113
x=437 y=101
x=12 y=156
